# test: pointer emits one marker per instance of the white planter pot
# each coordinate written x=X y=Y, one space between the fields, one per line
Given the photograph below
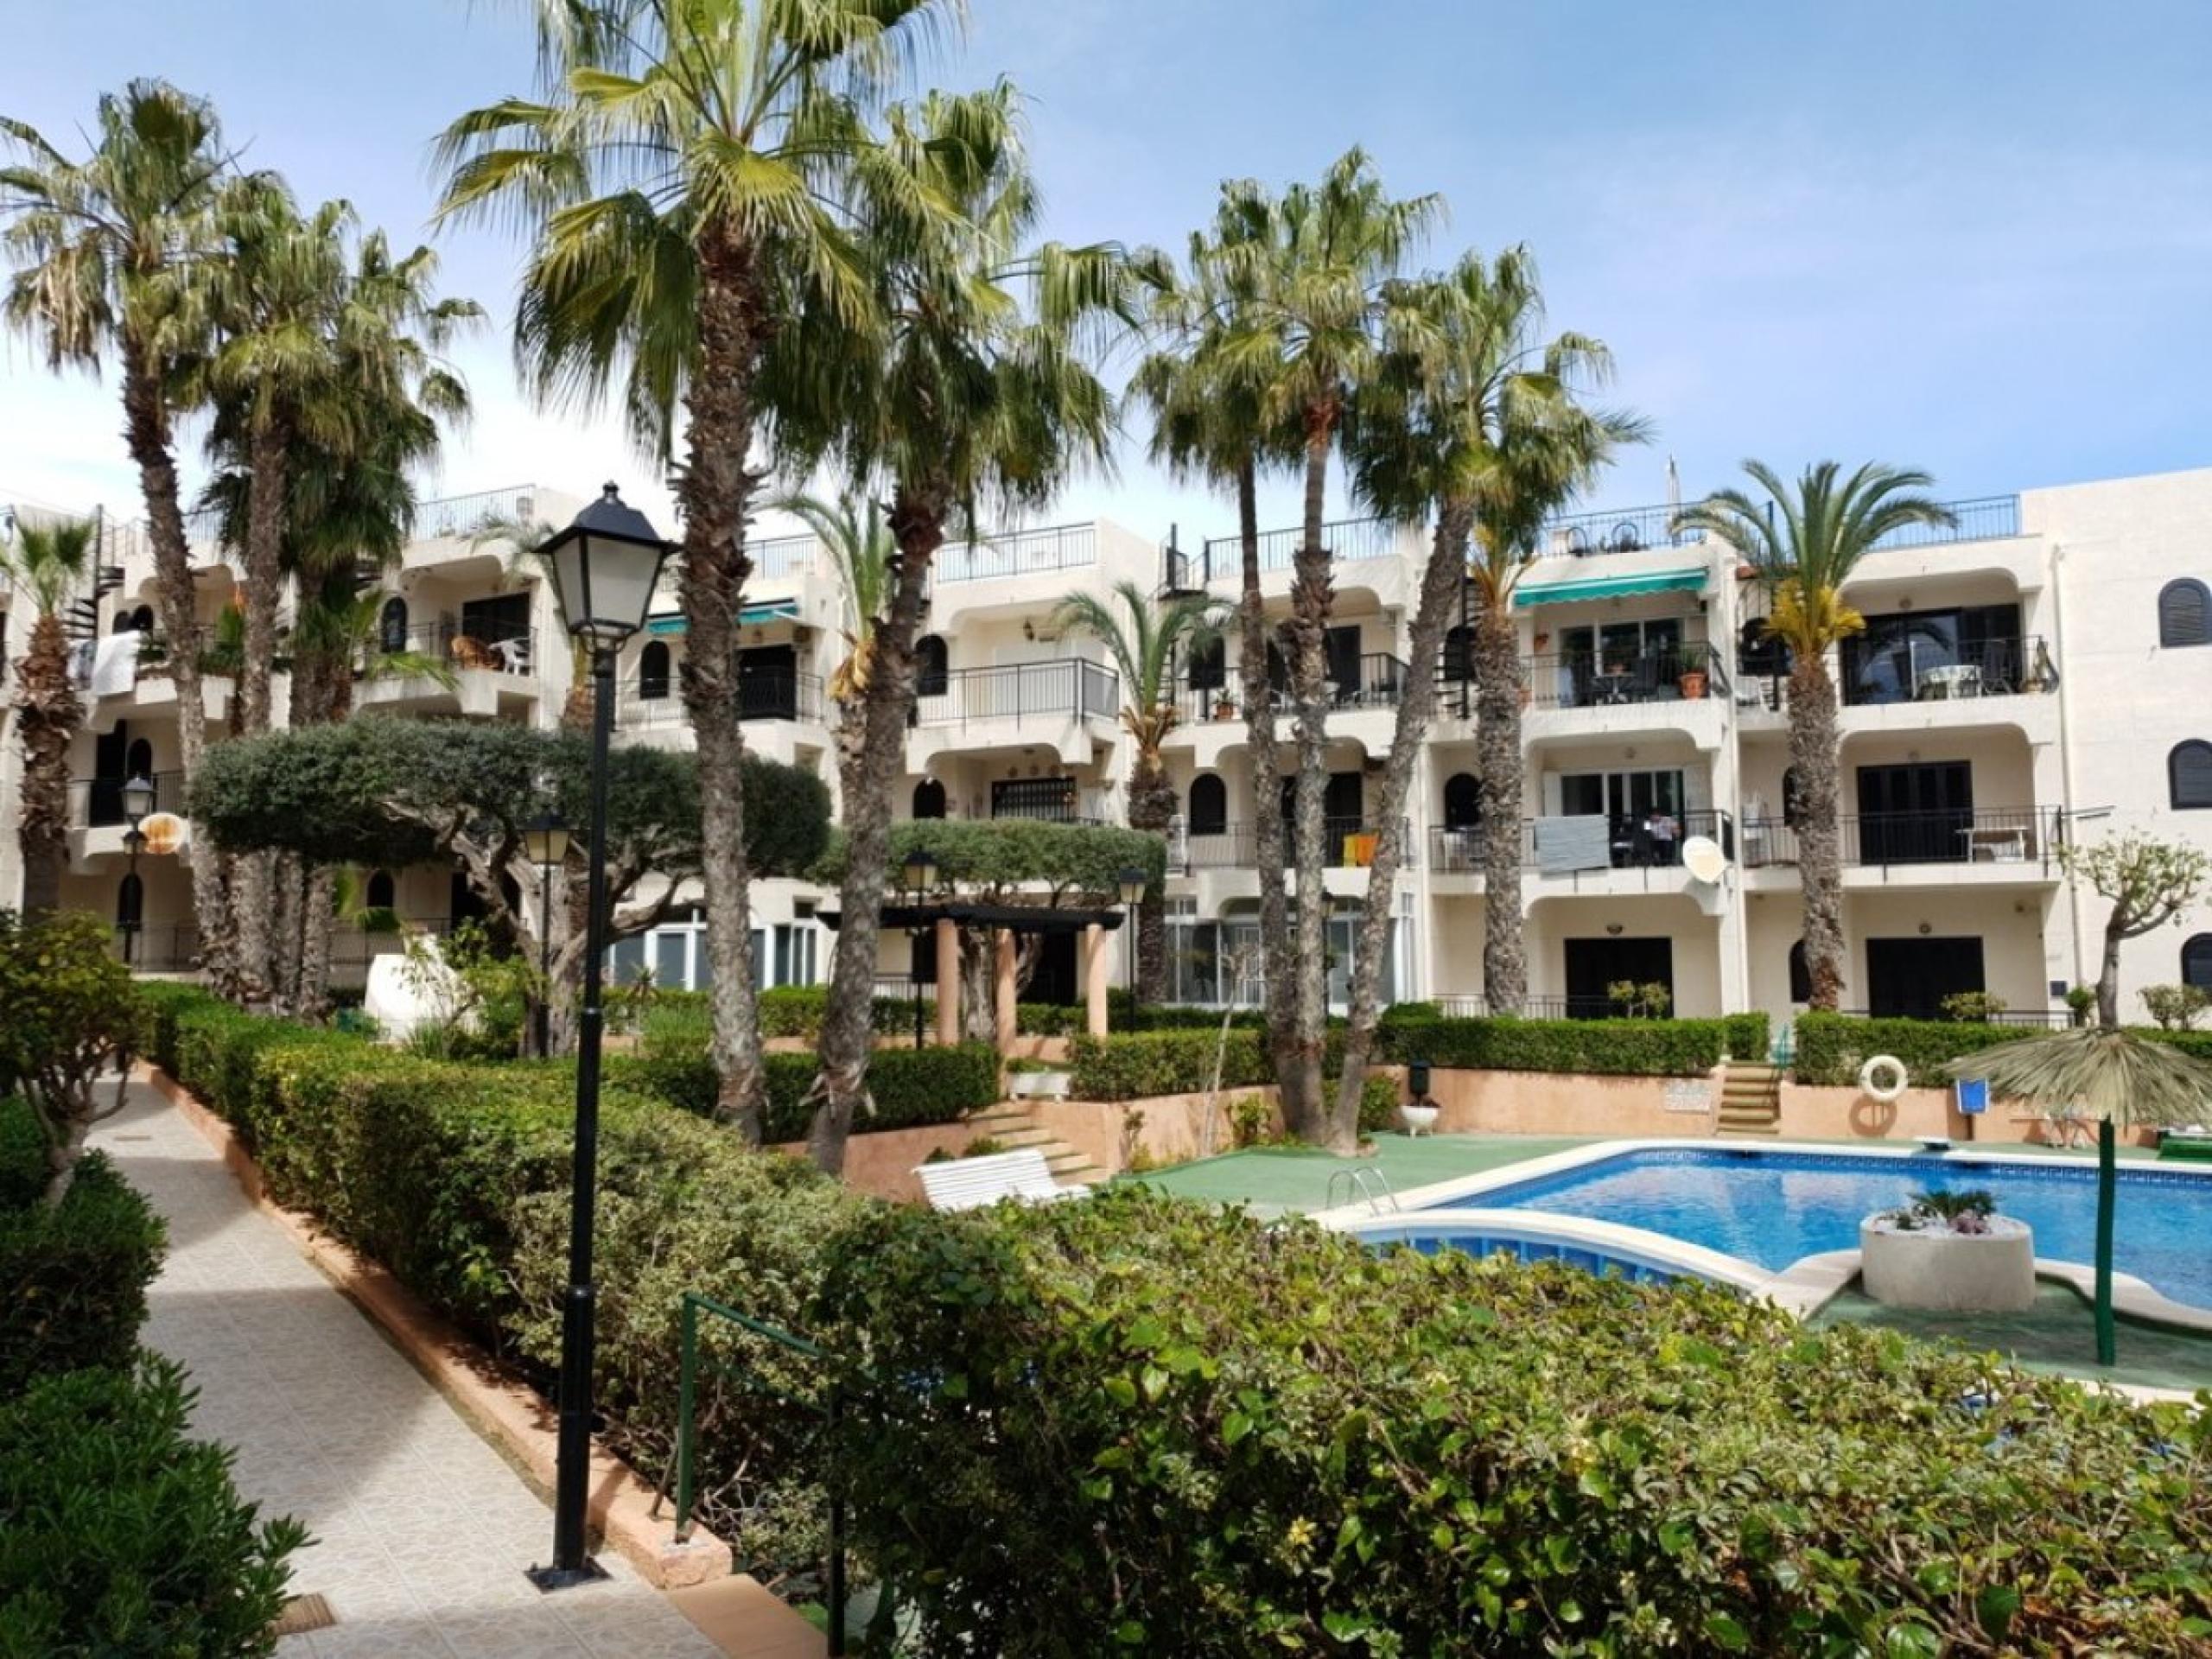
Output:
x=1962 y=1273
x=1418 y=1119
x=1039 y=1085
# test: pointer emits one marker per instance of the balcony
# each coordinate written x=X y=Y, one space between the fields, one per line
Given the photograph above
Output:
x=649 y=705
x=1686 y=672
x=1347 y=844
x=496 y=648
x=1377 y=682
x=97 y=803
x=1072 y=688
x=1018 y=553
x=2001 y=844
x=1629 y=844
x=1935 y=670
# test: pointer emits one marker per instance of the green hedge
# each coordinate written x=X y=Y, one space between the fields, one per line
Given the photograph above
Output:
x=75 y=1277
x=1831 y=1047
x=23 y=1154
x=1269 y=1440
x=910 y=1086
x=1135 y=1065
x=1662 y=1048
x=119 y=1534
x=785 y=1010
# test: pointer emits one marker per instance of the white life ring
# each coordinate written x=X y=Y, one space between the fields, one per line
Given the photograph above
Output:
x=1880 y=1067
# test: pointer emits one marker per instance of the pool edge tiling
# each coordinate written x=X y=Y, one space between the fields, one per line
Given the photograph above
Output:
x=1802 y=1285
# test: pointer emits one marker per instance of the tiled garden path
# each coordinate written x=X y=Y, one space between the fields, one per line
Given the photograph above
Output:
x=422 y=1529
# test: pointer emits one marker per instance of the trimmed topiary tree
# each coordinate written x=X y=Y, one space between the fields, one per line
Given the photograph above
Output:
x=66 y=1007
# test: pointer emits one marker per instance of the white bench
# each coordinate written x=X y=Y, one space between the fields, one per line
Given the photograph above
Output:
x=972 y=1183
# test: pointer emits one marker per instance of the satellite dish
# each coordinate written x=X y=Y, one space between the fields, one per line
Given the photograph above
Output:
x=1703 y=859
x=165 y=832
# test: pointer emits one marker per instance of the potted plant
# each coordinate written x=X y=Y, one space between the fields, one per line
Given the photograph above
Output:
x=1692 y=685
x=1949 y=1251
x=1038 y=1080
x=1224 y=706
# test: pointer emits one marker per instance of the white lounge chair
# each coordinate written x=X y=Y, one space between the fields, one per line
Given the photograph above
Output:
x=972 y=1183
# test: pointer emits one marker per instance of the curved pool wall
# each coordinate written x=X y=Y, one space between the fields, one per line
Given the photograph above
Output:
x=1766 y=1218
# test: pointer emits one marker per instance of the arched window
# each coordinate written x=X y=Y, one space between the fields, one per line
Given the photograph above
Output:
x=1208 y=814
x=1801 y=977
x=652 y=672
x=1463 y=802
x=1209 y=665
x=931 y=677
x=929 y=799
x=130 y=901
x=381 y=893
x=2188 y=774
x=392 y=626
x=1459 y=654
x=1793 y=803
x=2196 y=961
x=2185 y=613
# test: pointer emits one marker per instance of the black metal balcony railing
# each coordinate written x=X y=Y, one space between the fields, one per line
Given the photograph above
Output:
x=1346 y=844
x=1688 y=672
x=500 y=647
x=1949 y=835
x=644 y=703
x=1378 y=683
x=1634 y=844
x=1072 y=688
x=1632 y=530
x=1914 y=669
x=1018 y=553
x=97 y=803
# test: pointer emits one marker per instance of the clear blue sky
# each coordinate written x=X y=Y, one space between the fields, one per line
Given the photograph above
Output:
x=1976 y=237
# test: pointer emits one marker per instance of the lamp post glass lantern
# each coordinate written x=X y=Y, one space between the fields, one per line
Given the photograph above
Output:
x=138 y=801
x=605 y=566
x=545 y=844
x=919 y=871
x=1131 y=883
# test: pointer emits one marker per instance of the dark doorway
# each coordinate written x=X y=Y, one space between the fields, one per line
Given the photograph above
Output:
x=1594 y=965
x=110 y=767
x=1915 y=814
x=929 y=799
x=1054 y=980
x=1343 y=803
x=1910 y=978
x=768 y=683
x=1342 y=646
x=490 y=620
x=1208 y=809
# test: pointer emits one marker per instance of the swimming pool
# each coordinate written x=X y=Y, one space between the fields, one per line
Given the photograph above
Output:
x=1774 y=1208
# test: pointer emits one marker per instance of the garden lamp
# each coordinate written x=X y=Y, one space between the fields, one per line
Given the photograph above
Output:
x=1131 y=882
x=606 y=565
x=137 y=799
x=545 y=844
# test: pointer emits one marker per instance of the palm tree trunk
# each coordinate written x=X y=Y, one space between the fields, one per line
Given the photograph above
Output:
x=1497 y=771
x=1267 y=784
x=254 y=879
x=979 y=985
x=1820 y=826
x=872 y=751
x=48 y=713
x=1439 y=591
x=1151 y=807
x=717 y=490
x=1303 y=1106
x=146 y=431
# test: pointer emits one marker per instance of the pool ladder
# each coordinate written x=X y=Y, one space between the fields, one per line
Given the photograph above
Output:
x=1370 y=1183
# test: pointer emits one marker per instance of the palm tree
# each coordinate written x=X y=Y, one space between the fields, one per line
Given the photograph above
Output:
x=106 y=251
x=679 y=177
x=977 y=390
x=1208 y=392
x=2116 y=1077
x=1147 y=638
x=1476 y=422
x=862 y=547
x=1316 y=315
x=1804 y=543
x=49 y=563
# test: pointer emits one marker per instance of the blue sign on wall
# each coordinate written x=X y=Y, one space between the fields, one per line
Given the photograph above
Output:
x=1973 y=1095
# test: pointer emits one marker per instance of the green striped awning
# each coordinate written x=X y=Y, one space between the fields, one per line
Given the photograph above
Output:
x=778 y=610
x=1653 y=582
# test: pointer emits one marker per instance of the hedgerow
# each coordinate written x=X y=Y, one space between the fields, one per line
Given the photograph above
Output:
x=1210 y=1436
x=1611 y=1047
x=75 y=1275
x=1831 y=1047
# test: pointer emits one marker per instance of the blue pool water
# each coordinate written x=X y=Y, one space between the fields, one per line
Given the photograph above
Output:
x=1771 y=1208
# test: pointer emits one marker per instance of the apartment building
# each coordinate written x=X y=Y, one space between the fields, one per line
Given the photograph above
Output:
x=2030 y=677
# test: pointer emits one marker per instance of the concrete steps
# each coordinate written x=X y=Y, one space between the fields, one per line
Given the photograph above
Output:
x=1013 y=1125
x=1750 y=1099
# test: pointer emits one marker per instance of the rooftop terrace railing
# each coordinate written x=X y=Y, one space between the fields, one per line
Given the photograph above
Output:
x=1018 y=553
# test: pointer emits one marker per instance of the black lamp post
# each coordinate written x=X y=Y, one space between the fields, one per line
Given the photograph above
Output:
x=1131 y=885
x=545 y=842
x=920 y=872
x=138 y=801
x=604 y=567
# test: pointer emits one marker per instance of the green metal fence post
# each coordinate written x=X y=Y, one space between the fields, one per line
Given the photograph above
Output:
x=2108 y=1182
x=686 y=1401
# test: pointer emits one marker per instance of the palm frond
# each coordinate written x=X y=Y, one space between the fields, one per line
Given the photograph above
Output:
x=2105 y=1070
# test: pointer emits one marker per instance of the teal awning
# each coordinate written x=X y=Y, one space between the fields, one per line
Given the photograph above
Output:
x=778 y=610
x=1562 y=592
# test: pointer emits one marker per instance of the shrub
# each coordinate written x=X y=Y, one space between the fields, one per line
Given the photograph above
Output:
x=69 y=1006
x=2175 y=1007
x=1612 y=1047
x=75 y=1277
x=1269 y=1440
x=1135 y=1065
x=120 y=1535
x=1749 y=1036
x=1972 y=1005
x=23 y=1154
x=1831 y=1047
x=1058 y=1020
x=910 y=1086
x=1378 y=1103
